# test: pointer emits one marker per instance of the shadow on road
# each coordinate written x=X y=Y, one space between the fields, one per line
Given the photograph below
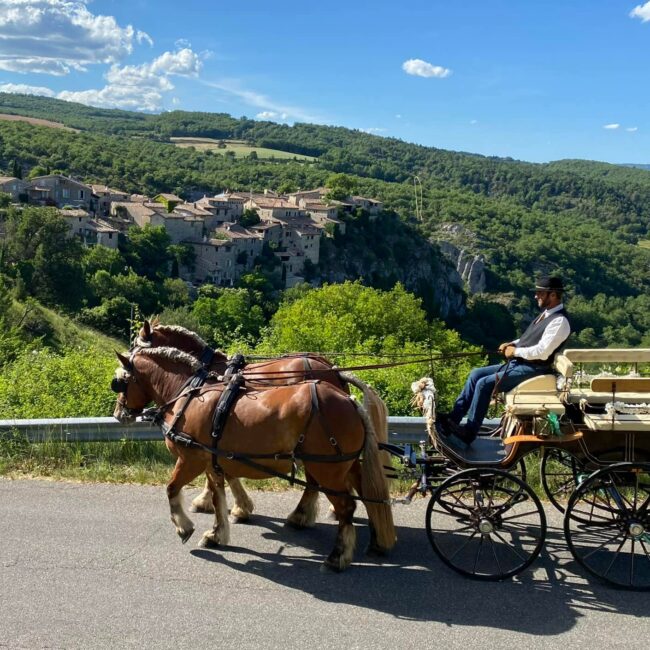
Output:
x=411 y=583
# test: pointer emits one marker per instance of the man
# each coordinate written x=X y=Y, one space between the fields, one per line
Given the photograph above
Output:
x=530 y=355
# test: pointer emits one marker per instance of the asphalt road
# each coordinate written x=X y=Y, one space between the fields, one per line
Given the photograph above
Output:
x=100 y=566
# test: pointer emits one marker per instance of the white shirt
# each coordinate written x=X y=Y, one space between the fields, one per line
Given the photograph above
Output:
x=556 y=332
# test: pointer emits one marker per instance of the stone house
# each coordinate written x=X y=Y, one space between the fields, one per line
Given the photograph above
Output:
x=102 y=197
x=59 y=190
x=91 y=230
x=15 y=187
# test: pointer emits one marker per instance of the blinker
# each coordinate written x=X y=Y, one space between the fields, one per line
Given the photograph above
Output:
x=119 y=385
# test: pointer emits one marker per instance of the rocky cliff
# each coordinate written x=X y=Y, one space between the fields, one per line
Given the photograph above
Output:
x=384 y=251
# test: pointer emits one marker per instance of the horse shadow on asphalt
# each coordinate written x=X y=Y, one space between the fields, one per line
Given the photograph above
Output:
x=411 y=583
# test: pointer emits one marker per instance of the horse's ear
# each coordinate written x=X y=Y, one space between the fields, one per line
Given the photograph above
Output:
x=145 y=332
x=124 y=360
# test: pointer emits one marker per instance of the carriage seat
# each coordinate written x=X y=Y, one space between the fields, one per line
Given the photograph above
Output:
x=541 y=394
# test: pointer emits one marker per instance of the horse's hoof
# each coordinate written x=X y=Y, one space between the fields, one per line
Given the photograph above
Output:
x=374 y=550
x=185 y=536
x=207 y=509
x=331 y=566
x=207 y=541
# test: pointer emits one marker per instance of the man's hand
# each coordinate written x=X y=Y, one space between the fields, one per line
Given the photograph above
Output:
x=509 y=351
x=503 y=346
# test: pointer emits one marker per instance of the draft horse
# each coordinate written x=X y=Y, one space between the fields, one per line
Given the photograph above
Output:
x=313 y=421
x=286 y=370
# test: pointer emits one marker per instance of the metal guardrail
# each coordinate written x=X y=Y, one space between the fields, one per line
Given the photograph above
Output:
x=401 y=429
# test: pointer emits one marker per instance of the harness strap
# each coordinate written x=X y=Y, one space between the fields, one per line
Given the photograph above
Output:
x=187 y=441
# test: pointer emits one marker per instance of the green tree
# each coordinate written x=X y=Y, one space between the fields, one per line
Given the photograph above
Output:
x=340 y=186
x=146 y=250
x=250 y=217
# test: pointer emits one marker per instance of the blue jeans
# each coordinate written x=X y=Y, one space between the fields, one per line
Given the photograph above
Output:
x=474 y=399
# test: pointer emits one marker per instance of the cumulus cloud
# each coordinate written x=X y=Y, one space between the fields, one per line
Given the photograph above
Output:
x=139 y=87
x=611 y=126
x=642 y=12
x=24 y=89
x=420 y=68
x=57 y=36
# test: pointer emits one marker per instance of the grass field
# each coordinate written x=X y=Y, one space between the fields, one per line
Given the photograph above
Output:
x=644 y=243
x=240 y=148
x=37 y=121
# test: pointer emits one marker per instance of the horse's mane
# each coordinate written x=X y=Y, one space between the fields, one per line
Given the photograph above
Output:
x=173 y=354
x=177 y=329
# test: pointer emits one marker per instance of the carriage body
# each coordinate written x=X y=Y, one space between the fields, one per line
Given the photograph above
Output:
x=592 y=427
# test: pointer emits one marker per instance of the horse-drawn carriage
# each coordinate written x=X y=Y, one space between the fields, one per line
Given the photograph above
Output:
x=482 y=519
x=485 y=521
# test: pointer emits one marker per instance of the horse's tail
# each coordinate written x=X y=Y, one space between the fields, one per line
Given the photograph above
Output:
x=374 y=486
x=374 y=406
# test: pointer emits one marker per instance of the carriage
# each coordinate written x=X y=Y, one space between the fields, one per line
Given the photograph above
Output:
x=485 y=521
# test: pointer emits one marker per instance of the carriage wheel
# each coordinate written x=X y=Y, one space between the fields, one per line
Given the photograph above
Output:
x=486 y=524
x=607 y=525
x=518 y=470
x=560 y=473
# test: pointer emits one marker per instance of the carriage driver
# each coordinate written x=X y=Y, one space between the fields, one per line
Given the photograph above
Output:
x=530 y=355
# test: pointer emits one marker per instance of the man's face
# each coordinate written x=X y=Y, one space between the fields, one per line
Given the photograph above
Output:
x=544 y=299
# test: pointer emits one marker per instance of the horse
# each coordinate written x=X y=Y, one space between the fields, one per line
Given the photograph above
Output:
x=281 y=371
x=313 y=420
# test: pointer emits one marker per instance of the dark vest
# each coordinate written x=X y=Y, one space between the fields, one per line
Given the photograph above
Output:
x=533 y=335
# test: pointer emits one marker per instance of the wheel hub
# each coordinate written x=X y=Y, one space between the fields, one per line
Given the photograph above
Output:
x=636 y=529
x=485 y=526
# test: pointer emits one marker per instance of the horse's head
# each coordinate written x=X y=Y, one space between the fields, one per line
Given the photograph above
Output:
x=131 y=397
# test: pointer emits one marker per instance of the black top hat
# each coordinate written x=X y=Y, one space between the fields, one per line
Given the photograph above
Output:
x=549 y=283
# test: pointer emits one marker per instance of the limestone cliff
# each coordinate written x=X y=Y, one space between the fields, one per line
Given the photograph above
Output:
x=384 y=251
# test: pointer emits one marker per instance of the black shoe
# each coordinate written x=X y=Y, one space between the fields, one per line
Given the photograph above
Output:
x=461 y=431
x=451 y=433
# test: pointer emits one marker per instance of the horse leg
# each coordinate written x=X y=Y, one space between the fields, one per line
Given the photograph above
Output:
x=346 y=538
x=220 y=533
x=243 y=507
x=304 y=515
x=203 y=503
x=185 y=471
x=355 y=481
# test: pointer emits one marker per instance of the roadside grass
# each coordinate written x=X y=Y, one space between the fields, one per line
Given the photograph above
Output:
x=240 y=148
x=644 y=243
x=145 y=463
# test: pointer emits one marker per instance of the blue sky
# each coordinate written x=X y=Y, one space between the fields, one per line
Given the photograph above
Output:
x=534 y=80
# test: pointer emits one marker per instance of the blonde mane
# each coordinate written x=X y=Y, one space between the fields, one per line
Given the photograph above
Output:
x=173 y=355
x=181 y=330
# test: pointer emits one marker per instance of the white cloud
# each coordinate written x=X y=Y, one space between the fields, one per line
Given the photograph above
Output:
x=611 y=126
x=420 y=68
x=24 y=89
x=267 y=115
x=398 y=116
x=632 y=129
x=139 y=87
x=642 y=12
x=373 y=130
x=56 y=36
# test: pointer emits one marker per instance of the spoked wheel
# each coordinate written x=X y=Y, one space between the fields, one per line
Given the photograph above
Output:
x=486 y=524
x=560 y=473
x=607 y=525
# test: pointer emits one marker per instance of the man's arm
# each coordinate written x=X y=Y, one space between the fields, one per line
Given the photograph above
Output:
x=556 y=332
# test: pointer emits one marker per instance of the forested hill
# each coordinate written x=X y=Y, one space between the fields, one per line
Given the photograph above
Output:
x=587 y=220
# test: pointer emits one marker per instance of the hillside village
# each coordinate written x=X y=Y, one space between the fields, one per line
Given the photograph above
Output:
x=225 y=239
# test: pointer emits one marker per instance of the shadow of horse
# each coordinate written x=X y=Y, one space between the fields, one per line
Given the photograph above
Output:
x=413 y=584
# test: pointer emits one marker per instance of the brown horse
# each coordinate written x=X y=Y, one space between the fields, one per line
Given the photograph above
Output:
x=312 y=419
x=276 y=372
